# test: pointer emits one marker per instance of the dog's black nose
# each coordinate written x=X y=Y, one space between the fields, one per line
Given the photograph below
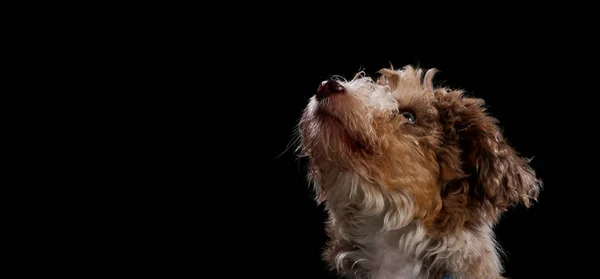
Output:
x=329 y=87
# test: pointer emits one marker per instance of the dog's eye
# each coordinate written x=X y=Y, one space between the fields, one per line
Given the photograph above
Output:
x=409 y=116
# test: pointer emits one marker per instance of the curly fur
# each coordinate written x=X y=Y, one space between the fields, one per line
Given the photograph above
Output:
x=411 y=200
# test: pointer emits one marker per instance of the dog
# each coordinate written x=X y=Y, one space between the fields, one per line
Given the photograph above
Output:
x=413 y=177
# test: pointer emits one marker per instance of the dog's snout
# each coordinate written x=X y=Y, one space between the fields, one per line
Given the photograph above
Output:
x=329 y=87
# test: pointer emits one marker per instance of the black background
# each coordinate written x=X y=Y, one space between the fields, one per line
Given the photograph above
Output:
x=184 y=168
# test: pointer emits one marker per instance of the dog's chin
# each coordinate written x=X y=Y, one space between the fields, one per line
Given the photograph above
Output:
x=333 y=108
x=339 y=129
x=329 y=121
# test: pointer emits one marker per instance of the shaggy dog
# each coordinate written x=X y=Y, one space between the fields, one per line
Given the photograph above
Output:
x=413 y=177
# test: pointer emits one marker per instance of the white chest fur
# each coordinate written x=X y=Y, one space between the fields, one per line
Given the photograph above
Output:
x=391 y=262
x=390 y=255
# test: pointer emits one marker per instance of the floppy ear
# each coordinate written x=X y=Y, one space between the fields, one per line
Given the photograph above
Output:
x=491 y=172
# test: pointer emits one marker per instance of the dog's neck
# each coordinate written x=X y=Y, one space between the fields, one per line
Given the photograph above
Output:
x=410 y=253
x=372 y=241
x=387 y=255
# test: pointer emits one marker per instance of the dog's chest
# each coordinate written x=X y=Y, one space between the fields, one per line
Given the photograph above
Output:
x=391 y=261
x=394 y=264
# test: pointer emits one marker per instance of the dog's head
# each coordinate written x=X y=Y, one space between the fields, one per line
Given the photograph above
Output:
x=401 y=149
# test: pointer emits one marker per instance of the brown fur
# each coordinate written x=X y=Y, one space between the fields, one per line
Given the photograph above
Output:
x=454 y=164
x=483 y=175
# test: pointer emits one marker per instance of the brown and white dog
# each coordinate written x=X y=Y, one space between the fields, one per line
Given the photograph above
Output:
x=413 y=177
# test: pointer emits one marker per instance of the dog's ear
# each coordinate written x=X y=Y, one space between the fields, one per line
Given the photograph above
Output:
x=479 y=159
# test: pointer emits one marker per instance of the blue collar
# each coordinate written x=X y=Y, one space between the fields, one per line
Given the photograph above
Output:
x=449 y=276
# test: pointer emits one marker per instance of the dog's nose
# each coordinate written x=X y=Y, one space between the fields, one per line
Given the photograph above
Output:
x=329 y=87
